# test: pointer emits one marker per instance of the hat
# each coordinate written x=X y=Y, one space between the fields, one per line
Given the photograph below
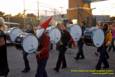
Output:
x=46 y=23
x=2 y=21
x=42 y=27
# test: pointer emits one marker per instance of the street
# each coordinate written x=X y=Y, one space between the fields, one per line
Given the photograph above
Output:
x=81 y=68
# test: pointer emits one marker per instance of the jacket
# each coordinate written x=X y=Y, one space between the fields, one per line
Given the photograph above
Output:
x=66 y=40
x=43 y=47
x=108 y=37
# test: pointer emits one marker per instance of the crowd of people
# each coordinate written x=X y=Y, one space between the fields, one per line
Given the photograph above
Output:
x=42 y=53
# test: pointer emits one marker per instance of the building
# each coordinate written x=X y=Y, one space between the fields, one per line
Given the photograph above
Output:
x=80 y=10
x=102 y=18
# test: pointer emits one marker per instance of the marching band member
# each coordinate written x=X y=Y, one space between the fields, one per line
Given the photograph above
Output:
x=80 y=43
x=102 y=50
x=113 y=37
x=62 y=46
x=4 y=69
x=26 y=62
x=29 y=29
x=42 y=55
x=43 y=51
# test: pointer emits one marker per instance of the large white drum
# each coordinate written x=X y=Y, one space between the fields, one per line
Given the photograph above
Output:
x=28 y=42
x=39 y=32
x=54 y=34
x=75 y=31
x=94 y=37
x=13 y=33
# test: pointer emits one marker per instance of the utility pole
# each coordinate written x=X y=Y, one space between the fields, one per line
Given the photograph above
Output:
x=24 y=11
x=38 y=10
x=9 y=19
x=61 y=10
x=61 y=14
x=54 y=11
x=46 y=12
x=24 y=16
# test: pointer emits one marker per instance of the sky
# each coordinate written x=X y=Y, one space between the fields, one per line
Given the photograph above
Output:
x=104 y=8
x=16 y=6
x=48 y=6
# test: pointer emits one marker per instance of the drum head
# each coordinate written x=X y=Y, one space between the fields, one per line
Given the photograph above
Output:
x=50 y=28
x=75 y=31
x=39 y=32
x=30 y=44
x=55 y=35
x=98 y=37
x=14 y=32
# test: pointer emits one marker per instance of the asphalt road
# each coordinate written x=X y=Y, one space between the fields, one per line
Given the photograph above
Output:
x=81 y=68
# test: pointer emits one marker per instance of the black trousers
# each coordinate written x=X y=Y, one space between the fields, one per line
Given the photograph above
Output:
x=103 y=58
x=4 y=68
x=26 y=62
x=61 y=59
x=41 y=71
x=80 y=50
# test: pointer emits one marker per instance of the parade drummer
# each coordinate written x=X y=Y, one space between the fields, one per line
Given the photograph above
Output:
x=80 y=43
x=103 y=49
x=4 y=69
x=62 y=46
x=113 y=37
x=42 y=54
x=29 y=29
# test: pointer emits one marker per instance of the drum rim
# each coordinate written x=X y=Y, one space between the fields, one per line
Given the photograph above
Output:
x=56 y=36
x=102 y=40
x=80 y=31
x=92 y=31
x=42 y=29
x=24 y=39
x=13 y=28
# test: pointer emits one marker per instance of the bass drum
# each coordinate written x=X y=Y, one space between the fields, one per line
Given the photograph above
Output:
x=75 y=31
x=94 y=37
x=54 y=34
x=28 y=42
x=12 y=33
x=39 y=32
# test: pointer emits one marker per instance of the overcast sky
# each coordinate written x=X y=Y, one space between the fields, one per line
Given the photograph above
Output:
x=31 y=6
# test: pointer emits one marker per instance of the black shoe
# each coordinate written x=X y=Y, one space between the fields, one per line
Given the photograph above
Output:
x=96 y=54
x=64 y=67
x=5 y=76
x=25 y=70
x=76 y=58
x=98 y=68
x=82 y=58
x=105 y=67
x=56 y=70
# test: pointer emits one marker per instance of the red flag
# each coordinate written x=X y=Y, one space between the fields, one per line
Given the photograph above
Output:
x=46 y=23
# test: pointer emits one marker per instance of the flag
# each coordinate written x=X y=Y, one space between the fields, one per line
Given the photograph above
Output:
x=46 y=23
